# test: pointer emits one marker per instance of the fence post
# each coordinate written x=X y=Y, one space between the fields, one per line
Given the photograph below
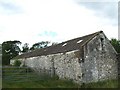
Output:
x=53 y=68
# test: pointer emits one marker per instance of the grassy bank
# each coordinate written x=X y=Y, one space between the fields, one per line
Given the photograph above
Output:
x=24 y=78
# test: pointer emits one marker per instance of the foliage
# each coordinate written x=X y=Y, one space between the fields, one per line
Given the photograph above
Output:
x=116 y=44
x=25 y=47
x=10 y=49
x=54 y=43
x=38 y=45
x=17 y=63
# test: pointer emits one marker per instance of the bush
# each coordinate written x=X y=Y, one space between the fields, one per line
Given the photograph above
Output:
x=17 y=63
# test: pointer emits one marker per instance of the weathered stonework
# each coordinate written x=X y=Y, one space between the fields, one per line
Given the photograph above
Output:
x=66 y=66
x=100 y=60
x=94 y=60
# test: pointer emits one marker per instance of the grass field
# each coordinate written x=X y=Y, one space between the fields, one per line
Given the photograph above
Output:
x=22 y=78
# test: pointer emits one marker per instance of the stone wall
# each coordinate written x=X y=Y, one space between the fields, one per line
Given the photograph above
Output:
x=65 y=65
x=96 y=61
x=100 y=60
x=118 y=57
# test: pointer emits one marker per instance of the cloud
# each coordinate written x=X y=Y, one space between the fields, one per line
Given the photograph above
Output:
x=52 y=20
x=104 y=9
x=7 y=7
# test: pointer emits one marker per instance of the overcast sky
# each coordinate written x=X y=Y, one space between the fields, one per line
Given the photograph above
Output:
x=32 y=21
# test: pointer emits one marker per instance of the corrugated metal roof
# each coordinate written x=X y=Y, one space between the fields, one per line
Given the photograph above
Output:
x=63 y=47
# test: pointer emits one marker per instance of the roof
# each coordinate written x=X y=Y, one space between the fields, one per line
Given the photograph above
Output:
x=63 y=47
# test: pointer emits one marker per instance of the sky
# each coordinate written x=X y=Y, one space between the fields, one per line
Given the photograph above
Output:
x=31 y=21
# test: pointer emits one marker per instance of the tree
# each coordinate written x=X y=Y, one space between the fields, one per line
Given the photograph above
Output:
x=25 y=47
x=10 y=49
x=54 y=43
x=39 y=45
x=116 y=44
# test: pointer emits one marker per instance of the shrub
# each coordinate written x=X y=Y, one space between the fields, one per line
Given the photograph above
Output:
x=17 y=63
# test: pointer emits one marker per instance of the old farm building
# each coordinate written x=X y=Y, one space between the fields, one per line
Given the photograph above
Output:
x=85 y=59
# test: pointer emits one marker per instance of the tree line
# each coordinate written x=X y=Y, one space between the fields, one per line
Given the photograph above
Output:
x=11 y=49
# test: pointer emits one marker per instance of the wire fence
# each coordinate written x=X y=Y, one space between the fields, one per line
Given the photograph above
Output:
x=23 y=74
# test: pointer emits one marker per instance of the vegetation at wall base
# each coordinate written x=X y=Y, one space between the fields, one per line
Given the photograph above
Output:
x=16 y=77
x=17 y=63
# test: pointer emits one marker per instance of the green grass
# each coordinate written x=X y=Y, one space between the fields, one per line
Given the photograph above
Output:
x=102 y=84
x=0 y=82
x=18 y=78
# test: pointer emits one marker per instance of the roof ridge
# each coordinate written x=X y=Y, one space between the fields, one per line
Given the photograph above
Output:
x=94 y=34
x=82 y=36
x=60 y=47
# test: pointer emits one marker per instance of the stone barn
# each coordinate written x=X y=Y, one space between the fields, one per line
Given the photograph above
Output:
x=84 y=59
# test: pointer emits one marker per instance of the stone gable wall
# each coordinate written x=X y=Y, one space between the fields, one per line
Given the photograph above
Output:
x=100 y=60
